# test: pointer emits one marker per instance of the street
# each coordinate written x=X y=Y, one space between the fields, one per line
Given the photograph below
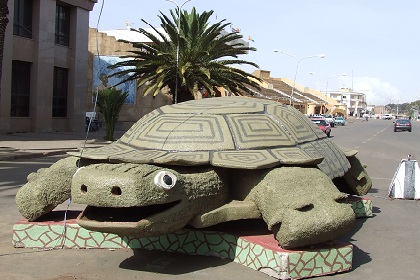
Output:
x=386 y=246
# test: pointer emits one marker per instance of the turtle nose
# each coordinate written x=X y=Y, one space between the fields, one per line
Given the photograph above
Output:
x=115 y=190
x=103 y=189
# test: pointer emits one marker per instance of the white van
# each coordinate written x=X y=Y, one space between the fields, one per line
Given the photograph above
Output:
x=330 y=119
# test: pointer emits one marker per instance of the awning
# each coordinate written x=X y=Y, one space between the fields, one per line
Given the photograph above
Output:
x=335 y=110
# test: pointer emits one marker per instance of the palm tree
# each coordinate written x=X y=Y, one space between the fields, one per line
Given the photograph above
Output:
x=110 y=102
x=4 y=11
x=201 y=65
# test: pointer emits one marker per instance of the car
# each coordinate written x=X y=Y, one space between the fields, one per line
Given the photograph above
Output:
x=323 y=125
x=387 y=117
x=329 y=119
x=402 y=124
x=340 y=120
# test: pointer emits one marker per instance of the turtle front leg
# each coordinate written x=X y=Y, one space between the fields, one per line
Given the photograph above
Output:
x=301 y=206
x=46 y=188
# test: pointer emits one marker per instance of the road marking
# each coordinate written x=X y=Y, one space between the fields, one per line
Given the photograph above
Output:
x=374 y=135
x=377 y=178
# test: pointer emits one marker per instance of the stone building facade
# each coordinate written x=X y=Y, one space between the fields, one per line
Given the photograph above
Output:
x=45 y=61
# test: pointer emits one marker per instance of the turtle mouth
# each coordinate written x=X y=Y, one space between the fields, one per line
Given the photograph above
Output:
x=97 y=218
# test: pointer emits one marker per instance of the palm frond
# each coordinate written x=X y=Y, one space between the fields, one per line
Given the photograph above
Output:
x=202 y=61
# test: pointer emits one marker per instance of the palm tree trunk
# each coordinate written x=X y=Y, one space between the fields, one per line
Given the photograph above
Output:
x=4 y=11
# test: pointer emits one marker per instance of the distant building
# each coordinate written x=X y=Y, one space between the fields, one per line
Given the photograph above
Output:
x=45 y=59
x=355 y=102
x=306 y=100
x=381 y=109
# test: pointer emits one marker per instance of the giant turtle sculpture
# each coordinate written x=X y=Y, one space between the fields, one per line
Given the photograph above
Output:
x=205 y=162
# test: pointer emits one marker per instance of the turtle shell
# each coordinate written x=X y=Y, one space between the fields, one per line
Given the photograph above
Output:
x=230 y=132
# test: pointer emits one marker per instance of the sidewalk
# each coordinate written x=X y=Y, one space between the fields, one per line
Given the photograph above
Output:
x=31 y=144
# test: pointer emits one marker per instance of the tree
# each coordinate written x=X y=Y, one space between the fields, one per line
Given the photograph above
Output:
x=110 y=102
x=201 y=65
x=4 y=11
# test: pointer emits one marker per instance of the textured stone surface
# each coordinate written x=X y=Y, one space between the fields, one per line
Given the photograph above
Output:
x=46 y=188
x=358 y=181
x=262 y=153
x=256 y=249
x=231 y=132
x=304 y=208
x=127 y=198
x=300 y=205
x=362 y=207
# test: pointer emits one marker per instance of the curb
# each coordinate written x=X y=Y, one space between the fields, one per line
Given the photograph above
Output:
x=28 y=155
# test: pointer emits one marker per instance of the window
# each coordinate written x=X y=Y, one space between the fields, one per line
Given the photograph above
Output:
x=21 y=78
x=22 y=19
x=59 y=106
x=62 y=25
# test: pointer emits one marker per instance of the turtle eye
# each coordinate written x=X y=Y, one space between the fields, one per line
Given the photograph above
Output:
x=165 y=179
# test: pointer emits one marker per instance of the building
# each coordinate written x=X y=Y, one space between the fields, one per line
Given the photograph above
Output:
x=45 y=60
x=355 y=102
x=105 y=48
x=381 y=109
x=306 y=100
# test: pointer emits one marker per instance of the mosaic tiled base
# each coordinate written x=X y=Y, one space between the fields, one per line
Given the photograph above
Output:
x=247 y=243
x=362 y=207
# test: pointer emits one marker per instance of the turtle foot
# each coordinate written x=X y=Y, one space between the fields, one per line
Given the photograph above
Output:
x=356 y=180
x=302 y=207
x=235 y=210
x=46 y=188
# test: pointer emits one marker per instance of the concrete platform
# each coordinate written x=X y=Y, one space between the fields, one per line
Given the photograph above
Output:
x=247 y=242
x=362 y=207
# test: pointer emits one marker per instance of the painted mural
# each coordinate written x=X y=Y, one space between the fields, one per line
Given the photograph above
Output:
x=101 y=79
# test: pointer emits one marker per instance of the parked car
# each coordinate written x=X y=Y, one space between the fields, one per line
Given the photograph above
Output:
x=340 y=121
x=329 y=119
x=323 y=125
x=402 y=124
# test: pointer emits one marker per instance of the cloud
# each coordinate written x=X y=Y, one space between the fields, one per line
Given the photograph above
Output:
x=377 y=92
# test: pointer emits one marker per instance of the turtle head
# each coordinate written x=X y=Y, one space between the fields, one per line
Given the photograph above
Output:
x=144 y=200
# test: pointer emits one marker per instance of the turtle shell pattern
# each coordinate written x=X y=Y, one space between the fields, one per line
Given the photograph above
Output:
x=230 y=132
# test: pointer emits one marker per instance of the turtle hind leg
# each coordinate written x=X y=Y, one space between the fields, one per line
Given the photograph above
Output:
x=46 y=188
x=356 y=181
x=301 y=206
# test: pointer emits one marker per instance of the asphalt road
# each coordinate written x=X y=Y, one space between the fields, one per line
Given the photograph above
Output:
x=385 y=246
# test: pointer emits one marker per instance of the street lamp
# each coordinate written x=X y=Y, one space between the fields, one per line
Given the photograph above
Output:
x=177 y=46
x=297 y=67
x=328 y=77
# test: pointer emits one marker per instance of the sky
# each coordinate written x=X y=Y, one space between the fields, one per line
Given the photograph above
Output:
x=375 y=43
